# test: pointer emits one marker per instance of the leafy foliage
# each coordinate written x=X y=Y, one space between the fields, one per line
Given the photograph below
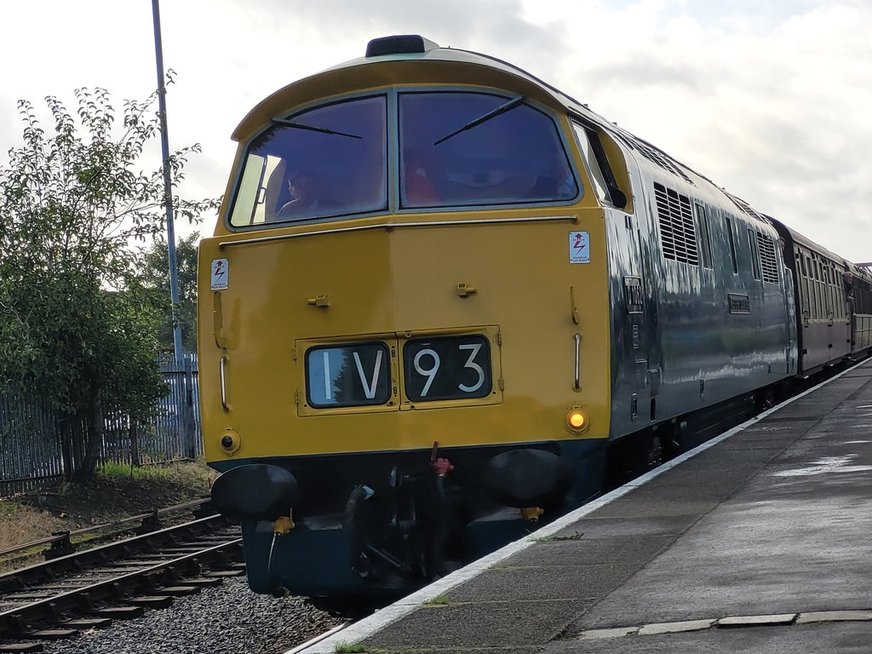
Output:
x=73 y=324
x=154 y=281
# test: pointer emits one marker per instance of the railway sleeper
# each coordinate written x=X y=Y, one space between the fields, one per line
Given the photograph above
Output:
x=60 y=547
x=151 y=601
x=20 y=647
x=180 y=591
x=87 y=623
x=203 y=582
x=52 y=634
x=223 y=574
x=120 y=612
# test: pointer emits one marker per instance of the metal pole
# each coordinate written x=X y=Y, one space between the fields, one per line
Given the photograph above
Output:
x=178 y=351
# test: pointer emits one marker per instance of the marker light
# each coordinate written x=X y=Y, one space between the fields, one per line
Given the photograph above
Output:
x=230 y=442
x=576 y=420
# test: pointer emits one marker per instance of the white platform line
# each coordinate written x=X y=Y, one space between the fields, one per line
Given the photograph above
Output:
x=368 y=626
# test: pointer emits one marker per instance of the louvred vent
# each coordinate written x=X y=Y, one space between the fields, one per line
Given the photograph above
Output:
x=677 y=231
x=768 y=262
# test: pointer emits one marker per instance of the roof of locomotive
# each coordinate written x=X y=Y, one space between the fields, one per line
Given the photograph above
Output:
x=397 y=59
x=402 y=51
x=403 y=55
x=370 y=71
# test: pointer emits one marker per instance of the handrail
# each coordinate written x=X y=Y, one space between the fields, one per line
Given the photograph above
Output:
x=399 y=225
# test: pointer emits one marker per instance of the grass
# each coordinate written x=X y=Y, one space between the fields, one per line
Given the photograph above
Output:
x=187 y=472
x=114 y=470
x=345 y=648
x=20 y=523
x=439 y=600
x=557 y=539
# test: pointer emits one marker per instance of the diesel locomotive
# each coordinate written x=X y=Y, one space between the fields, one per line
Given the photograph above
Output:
x=442 y=295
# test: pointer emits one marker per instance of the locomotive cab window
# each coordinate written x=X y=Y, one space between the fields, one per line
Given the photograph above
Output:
x=470 y=149
x=592 y=161
x=322 y=163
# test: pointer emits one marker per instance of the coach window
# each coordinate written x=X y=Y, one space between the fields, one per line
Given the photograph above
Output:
x=803 y=280
x=319 y=164
x=469 y=149
x=838 y=295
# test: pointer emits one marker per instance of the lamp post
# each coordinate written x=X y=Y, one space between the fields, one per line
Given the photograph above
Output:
x=178 y=350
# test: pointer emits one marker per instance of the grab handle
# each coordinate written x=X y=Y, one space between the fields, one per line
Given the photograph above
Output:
x=222 y=378
x=577 y=384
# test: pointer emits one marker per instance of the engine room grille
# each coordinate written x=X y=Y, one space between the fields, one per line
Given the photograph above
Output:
x=677 y=231
x=653 y=154
x=767 y=258
x=662 y=160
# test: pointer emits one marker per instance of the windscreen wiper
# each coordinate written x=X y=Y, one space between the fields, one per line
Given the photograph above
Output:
x=322 y=130
x=503 y=108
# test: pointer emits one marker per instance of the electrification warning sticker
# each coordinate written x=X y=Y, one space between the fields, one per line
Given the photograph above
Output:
x=579 y=247
x=220 y=277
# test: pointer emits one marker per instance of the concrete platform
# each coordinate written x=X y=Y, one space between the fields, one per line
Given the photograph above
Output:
x=759 y=541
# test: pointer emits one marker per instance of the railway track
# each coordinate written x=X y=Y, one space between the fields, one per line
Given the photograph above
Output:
x=59 y=597
x=302 y=647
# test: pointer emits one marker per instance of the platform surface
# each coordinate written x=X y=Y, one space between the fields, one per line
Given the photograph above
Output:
x=761 y=543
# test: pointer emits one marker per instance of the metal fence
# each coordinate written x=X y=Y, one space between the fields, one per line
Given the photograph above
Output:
x=30 y=439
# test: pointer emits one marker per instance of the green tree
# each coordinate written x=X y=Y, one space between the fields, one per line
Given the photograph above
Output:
x=73 y=324
x=154 y=280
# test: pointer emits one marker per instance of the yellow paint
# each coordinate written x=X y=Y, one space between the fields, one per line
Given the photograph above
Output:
x=508 y=281
x=532 y=513
x=283 y=525
x=384 y=283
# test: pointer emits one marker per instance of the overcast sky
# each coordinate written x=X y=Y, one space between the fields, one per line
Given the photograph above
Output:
x=768 y=98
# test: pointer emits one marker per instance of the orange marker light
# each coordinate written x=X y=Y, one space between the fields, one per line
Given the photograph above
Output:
x=576 y=420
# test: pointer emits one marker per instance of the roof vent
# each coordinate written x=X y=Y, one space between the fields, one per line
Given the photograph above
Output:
x=399 y=44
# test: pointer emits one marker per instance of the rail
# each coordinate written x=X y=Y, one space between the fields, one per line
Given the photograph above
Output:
x=317 y=639
x=61 y=540
x=48 y=592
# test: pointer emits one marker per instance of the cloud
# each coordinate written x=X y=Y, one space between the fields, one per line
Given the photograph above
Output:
x=775 y=115
x=768 y=98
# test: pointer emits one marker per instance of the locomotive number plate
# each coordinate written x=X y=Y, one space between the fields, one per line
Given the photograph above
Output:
x=447 y=368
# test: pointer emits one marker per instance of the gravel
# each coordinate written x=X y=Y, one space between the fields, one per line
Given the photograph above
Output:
x=227 y=618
